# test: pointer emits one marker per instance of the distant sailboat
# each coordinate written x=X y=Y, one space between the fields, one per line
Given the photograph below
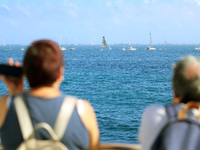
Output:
x=124 y=48
x=165 y=44
x=10 y=48
x=149 y=47
x=93 y=42
x=72 y=49
x=197 y=47
x=61 y=48
x=104 y=42
x=21 y=48
x=4 y=43
x=132 y=48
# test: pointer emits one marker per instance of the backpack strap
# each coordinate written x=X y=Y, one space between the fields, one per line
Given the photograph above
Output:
x=64 y=115
x=23 y=117
x=60 y=125
x=176 y=111
x=172 y=111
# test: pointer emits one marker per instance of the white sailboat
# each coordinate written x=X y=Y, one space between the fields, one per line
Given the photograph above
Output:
x=72 y=49
x=61 y=48
x=10 y=48
x=124 y=48
x=150 y=47
x=109 y=47
x=4 y=43
x=197 y=47
x=132 y=48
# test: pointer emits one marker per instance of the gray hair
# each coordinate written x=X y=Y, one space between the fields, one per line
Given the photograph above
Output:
x=186 y=79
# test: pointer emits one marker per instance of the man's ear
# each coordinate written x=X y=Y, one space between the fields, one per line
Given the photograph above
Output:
x=60 y=77
x=60 y=73
x=176 y=98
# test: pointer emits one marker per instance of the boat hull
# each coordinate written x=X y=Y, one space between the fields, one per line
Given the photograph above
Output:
x=150 y=48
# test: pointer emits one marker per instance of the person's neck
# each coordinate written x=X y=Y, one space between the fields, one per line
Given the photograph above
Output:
x=45 y=92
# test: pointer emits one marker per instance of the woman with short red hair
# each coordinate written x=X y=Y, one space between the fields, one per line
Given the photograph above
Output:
x=43 y=65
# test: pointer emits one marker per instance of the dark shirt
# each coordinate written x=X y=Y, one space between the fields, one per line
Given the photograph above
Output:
x=76 y=136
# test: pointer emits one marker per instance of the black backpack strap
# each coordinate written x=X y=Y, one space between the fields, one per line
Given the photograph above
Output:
x=172 y=111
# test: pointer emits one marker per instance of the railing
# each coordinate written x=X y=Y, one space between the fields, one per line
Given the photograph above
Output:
x=119 y=146
x=114 y=146
x=1 y=148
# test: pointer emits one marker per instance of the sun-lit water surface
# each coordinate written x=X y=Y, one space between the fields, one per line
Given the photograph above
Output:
x=119 y=84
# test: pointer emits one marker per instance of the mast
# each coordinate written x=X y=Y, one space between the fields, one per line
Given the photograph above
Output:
x=60 y=39
x=150 y=38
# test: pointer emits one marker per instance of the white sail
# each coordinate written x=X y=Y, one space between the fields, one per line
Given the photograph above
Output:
x=197 y=47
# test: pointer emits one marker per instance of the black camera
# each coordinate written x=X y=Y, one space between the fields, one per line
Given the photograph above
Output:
x=11 y=71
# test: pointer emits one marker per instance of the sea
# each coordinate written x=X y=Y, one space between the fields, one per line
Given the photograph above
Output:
x=119 y=84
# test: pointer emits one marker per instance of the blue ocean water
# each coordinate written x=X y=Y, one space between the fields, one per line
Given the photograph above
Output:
x=119 y=84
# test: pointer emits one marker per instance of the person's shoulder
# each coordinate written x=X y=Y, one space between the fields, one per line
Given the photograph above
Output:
x=4 y=97
x=87 y=105
x=156 y=114
x=3 y=100
x=155 y=109
x=3 y=110
x=90 y=121
x=153 y=119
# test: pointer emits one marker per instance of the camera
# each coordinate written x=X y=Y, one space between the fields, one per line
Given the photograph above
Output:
x=11 y=71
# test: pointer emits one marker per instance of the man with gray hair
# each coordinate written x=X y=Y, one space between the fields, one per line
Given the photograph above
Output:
x=154 y=132
x=186 y=80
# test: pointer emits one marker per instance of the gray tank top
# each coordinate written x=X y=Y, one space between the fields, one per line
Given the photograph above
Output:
x=76 y=136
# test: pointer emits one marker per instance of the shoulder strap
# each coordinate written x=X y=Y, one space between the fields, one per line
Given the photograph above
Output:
x=64 y=115
x=60 y=124
x=172 y=111
x=23 y=117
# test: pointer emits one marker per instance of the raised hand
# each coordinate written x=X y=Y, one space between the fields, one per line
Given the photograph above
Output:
x=14 y=85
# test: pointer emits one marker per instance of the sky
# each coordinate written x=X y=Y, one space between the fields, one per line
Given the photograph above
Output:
x=87 y=21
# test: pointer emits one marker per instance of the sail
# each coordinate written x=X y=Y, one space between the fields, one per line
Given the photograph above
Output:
x=104 y=42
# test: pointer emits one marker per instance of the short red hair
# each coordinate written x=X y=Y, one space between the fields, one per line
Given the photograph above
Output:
x=42 y=62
